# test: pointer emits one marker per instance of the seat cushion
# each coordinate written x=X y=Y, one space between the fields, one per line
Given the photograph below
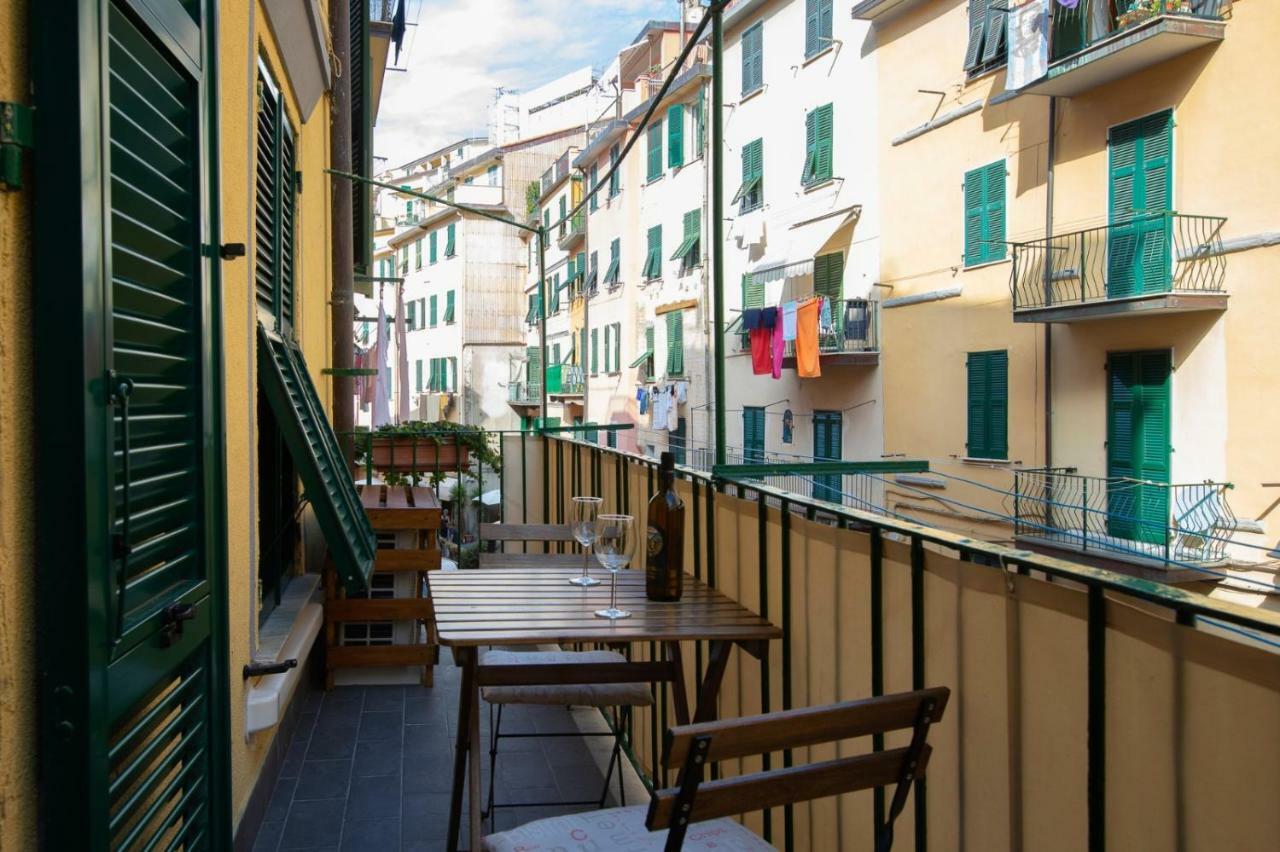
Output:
x=620 y=830
x=579 y=694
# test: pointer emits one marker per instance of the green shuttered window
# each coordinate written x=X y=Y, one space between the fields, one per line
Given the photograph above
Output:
x=1138 y=444
x=818 y=133
x=448 y=307
x=828 y=446
x=675 y=136
x=594 y=181
x=595 y=351
x=988 y=416
x=451 y=245
x=753 y=434
x=689 y=252
x=283 y=376
x=611 y=274
x=655 y=151
x=417 y=254
x=817 y=26
x=1141 y=191
x=675 y=343
x=750 y=193
x=275 y=204
x=653 y=258
x=984 y=214
x=985 y=49
x=432 y=303
x=432 y=241
x=615 y=179
x=753 y=58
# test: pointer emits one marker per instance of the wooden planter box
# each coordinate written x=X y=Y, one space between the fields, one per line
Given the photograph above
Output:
x=406 y=454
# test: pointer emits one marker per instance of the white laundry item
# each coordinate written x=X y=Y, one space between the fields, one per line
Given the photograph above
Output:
x=682 y=392
x=382 y=381
x=789 y=321
x=673 y=421
x=402 y=359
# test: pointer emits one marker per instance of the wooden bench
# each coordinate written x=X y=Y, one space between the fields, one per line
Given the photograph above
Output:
x=697 y=815
x=526 y=534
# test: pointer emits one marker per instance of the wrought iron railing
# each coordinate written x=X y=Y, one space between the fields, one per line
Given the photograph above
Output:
x=855 y=328
x=526 y=393
x=382 y=10
x=566 y=380
x=1080 y=25
x=1159 y=253
x=1186 y=523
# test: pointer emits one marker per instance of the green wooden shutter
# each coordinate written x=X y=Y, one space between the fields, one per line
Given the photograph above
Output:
x=977 y=29
x=288 y=222
x=828 y=281
x=417 y=253
x=655 y=150
x=450 y=245
x=432 y=304
x=417 y=375
x=1138 y=242
x=974 y=182
x=753 y=58
x=995 y=29
x=617 y=346
x=994 y=211
x=810 y=27
x=595 y=351
x=410 y=315
x=827 y=446
x=1138 y=445
x=448 y=306
x=826 y=133
x=675 y=136
x=360 y=75
x=988 y=405
x=653 y=257
x=753 y=434
x=675 y=343
x=594 y=181
x=700 y=121
x=433 y=246
x=299 y=413
x=615 y=179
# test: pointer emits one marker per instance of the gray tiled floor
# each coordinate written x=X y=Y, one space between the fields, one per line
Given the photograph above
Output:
x=371 y=768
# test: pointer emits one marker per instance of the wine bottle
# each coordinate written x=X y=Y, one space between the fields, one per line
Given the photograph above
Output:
x=664 y=546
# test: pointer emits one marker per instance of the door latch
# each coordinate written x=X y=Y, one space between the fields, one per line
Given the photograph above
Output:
x=171 y=619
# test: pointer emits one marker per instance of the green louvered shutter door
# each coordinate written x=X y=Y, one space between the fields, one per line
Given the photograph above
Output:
x=675 y=343
x=675 y=136
x=655 y=150
x=1138 y=445
x=533 y=365
x=288 y=222
x=810 y=147
x=595 y=351
x=753 y=434
x=825 y=142
x=1122 y=467
x=977 y=27
x=998 y=405
x=993 y=206
x=811 y=27
x=974 y=193
x=266 y=194
x=1155 y=268
x=1126 y=206
x=1154 y=446
x=976 y=443
x=134 y=684
x=827 y=446
x=361 y=127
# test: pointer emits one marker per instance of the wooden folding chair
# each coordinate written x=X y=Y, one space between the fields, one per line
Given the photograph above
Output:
x=695 y=814
x=532 y=534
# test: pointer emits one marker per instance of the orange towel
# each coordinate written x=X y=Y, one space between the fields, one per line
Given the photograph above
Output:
x=807 y=366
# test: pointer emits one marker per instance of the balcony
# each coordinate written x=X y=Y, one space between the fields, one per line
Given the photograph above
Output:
x=1159 y=264
x=855 y=341
x=566 y=380
x=478 y=195
x=1085 y=55
x=523 y=394
x=1067 y=682
x=1148 y=523
x=572 y=232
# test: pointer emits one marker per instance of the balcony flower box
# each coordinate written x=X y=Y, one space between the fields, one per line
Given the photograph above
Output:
x=1144 y=9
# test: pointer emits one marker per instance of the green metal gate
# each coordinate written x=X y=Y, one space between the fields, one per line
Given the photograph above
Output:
x=131 y=587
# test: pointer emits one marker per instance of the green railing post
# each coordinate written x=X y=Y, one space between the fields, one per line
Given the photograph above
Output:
x=717 y=217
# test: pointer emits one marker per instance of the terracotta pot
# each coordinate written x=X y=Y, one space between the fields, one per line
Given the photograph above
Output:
x=406 y=454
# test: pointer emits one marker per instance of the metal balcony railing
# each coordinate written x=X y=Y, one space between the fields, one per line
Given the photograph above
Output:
x=382 y=10
x=566 y=380
x=524 y=393
x=856 y=325
x=1147 y=255
x=1189 y=523
x=1078 y=27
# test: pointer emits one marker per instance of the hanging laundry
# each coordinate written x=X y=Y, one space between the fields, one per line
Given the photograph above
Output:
x=642 y=397
x=788 y=320
x=761 y=360
x=751 y=319
x=779 y=348
x=768 y=317
x=807 y=366
x=857 y=319
x=682 y=392
x=673 y=418
x=825 y=325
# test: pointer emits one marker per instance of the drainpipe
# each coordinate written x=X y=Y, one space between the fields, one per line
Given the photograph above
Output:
x=1048 y=327
x=342 y=256
x=717 y=217
x=708 y=327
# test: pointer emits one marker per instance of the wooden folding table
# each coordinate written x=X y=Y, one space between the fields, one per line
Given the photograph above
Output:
x=537 y=605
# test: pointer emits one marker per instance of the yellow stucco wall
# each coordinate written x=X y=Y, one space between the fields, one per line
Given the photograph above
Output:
x=1225 y=364
x=243 y=43
x=17 y=571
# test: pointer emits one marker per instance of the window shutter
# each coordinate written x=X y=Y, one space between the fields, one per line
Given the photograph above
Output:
x=828 y=277
x=615 y=179
x=753 y=59
x=976 y=444
x=996 y=30
x=1138 y=257
x=753 y=434
x=675 y=136
x=453 y=374
x=993 y=207
x=432 y=241
x=450 y=246
x=595 y=180
x=824 y=142
x=977 y=27
x=988 y=401
x=973 y=216
x=675 y=343
x=448 y=306
x=417 y=375
x=617 y=346
x=810 y=148
x=699 y=120
x=595 y=351
x=410 y=315
x=655 y=150
x=266 y=189
x=417 y=253
x=810 y=27
x=752 y=292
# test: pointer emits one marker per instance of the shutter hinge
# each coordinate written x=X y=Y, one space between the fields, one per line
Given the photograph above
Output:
x=297 y=181
x=17 y=133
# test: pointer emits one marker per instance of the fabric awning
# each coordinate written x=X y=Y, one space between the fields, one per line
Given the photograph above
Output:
x=805 y=242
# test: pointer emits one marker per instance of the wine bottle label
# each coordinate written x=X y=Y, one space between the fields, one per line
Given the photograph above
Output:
x=655 y=542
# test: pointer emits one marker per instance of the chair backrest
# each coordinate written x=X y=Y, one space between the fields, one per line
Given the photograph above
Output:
x=525 y=532
x=691 y=747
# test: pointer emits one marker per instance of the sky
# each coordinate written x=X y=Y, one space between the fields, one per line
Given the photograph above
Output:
x=461 y=51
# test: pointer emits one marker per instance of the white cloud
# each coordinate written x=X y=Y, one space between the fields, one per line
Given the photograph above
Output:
x=461 y=51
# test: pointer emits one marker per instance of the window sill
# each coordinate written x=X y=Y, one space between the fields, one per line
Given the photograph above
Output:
x=754 y=93
x=289 y=633
x=819 y=184
x=971 y=77
x=979 y=460
x=809 y=60
x=987 y=263
x=651 y=181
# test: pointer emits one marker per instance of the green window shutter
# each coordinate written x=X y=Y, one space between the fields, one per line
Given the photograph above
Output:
x=275 y=205
x=828 y=446
x=546 y=218
x=675 y=136
x=431 y=240
x=594 y=180
x=410 y=317
x=653 y=258
x=448 y=306
x=564 y=208
x=818 y=145
x=753 y=434
x=699 y=121
x=675 y=343
x=751 y=193
x=450 y=246
x=617 y=346
x=984 y=214
x=828 y=278
x=974 y=191
x=615 y=179
x=417 y=375
x=595 y=351
x=288 y=220
x=655 y=150
x=988 y=405
x=300 y=416
x=417 y=253
x=753 y=58
x=993 y=50
x=555 y=293
x=611 y=274
x=752 y=292
x=994 y=204
x=1138 y=444
x=809 y=175
x=432 y=303
x=826 y=133
x=817 y=26
x=977 y=31
x=453 y=374
x=1139 y=238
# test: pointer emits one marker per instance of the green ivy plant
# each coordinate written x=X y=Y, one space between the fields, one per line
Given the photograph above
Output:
x=532 y=193
x=443 y=433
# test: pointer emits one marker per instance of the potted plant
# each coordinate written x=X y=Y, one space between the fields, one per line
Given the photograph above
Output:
x=415 y=448
x=1142 y=10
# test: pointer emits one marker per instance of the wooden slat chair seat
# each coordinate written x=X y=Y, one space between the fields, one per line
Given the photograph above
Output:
x=616 y=696
x=695 y=815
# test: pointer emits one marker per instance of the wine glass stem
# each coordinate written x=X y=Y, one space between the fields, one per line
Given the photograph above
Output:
x=584 y=562
x=613 y=592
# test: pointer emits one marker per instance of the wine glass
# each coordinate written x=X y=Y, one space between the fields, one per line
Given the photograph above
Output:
x=585 y=510
x=614 y=544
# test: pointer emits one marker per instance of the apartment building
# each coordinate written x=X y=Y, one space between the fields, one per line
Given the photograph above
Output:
x=1083 y=326
x=803 y=220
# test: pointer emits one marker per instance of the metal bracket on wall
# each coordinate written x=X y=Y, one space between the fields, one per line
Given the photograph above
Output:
x=17 y=132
